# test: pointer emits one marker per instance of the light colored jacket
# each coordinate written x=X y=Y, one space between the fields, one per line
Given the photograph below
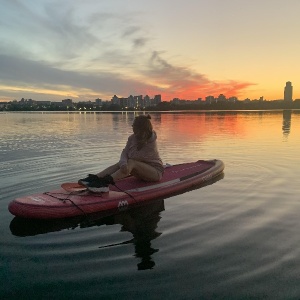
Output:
x=147 y=154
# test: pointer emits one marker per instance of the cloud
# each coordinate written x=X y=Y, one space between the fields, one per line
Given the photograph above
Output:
x=139 y=42
x=185 y=83
x=50 y=51
x=161 y=78
x=130 y=31
x=20 y=73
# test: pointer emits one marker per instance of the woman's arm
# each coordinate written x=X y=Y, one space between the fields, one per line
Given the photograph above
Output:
x=124 y=154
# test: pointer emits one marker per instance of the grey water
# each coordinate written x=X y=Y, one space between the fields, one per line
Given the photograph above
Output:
x=237 y=238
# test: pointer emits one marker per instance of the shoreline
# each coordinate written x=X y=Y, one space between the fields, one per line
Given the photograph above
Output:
x=151 y=111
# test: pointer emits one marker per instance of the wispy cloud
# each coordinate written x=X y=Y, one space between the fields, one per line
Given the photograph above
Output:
x=185 y=83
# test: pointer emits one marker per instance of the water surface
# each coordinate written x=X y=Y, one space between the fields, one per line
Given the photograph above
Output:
x=235 y=238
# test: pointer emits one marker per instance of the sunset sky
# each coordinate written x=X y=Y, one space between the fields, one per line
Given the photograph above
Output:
x=53 y=50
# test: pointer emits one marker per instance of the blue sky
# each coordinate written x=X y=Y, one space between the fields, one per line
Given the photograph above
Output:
x=52 y=50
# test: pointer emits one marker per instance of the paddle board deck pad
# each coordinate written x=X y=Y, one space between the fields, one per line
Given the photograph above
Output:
x=73 y=200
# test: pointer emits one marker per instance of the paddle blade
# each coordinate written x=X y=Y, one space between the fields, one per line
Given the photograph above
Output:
x=73 y=187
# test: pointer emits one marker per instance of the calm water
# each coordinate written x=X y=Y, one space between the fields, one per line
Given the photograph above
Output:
x=234 y=239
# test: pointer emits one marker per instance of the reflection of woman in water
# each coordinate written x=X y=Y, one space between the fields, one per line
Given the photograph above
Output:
x=142 y=223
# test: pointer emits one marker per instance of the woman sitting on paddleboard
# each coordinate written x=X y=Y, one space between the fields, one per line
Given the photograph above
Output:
x=139 y=158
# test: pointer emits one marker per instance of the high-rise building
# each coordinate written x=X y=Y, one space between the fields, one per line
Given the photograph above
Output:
x=157 y=99
x=98 y=101
x=288 y=92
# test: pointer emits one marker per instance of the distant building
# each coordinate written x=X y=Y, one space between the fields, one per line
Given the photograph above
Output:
x=157 y=99
x=232 y=99
x=98 y=101
x=67 y=102
x=139 y=101
x=176 y=101
x=221 y=98
x=115 y=100
x=210 y=99
x=3 y=104
x=131 y=101
x=43 y=102
x=288 y=92
x=147 y=101
x=123 y=102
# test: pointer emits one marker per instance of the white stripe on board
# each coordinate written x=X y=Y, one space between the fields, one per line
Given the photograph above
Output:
x=151 y=187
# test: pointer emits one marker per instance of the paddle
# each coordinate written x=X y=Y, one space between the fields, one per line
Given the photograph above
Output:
x=73 y=187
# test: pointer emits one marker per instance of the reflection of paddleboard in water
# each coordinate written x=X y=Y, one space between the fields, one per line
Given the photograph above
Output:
x=73 y=200
x=140 y=220
x=31 y=227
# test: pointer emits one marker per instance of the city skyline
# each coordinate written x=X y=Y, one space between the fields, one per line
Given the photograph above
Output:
x=52 y=50
x=152 y=101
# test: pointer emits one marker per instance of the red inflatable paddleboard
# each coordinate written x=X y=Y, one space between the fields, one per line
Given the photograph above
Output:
x=73 y=199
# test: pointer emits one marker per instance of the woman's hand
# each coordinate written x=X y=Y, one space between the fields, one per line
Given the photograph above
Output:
x=124 y=169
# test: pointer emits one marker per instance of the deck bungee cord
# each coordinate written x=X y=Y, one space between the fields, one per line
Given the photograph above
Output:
x=64 y=199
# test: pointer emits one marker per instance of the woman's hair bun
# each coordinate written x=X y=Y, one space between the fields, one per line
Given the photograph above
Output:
x=148 y=117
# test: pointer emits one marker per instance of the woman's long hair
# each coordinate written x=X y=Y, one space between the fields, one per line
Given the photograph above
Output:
x=142 y=129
